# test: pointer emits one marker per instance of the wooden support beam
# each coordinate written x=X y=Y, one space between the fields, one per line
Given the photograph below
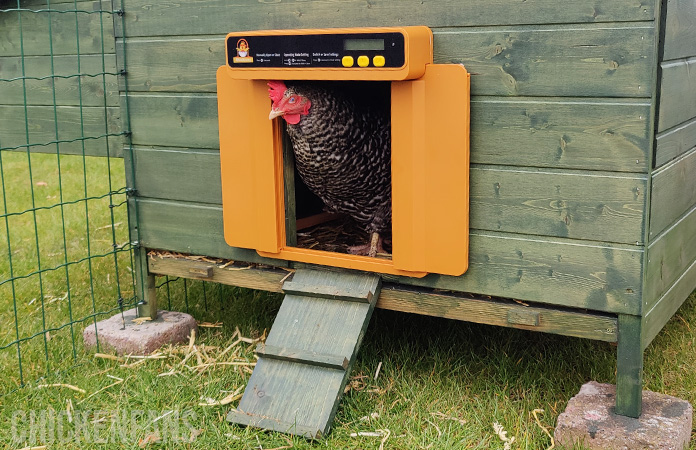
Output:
x=146 y=291
x=242 y=275
x=502 y=313
x=629 y=370
x=548 y=319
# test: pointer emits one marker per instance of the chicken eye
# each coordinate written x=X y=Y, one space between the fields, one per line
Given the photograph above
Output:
x=291 y=100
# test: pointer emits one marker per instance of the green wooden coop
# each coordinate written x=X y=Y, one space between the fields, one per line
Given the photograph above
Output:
x=582 y=179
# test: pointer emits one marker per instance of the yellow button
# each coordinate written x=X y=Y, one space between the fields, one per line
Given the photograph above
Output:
x=347 y=61
x=378 y=61
x=363 y=61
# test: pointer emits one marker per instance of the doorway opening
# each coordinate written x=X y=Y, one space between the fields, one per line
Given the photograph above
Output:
x=337 y=167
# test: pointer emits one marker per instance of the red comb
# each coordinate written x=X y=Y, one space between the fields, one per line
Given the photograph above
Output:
x=276 y=90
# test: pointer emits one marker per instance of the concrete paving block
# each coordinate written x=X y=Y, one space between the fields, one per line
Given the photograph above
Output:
x=589 y=418
x=170 y=327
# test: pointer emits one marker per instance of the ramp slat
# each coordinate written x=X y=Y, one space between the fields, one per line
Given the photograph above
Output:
x=300 y=356
x=272 y=424
x=348 y=294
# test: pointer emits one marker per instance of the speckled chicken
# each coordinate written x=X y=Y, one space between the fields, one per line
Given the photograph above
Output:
x=342 y=142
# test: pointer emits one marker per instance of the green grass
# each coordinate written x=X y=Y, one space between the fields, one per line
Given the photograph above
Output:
x=432 y=369
x=430 y=366
x=53 y=254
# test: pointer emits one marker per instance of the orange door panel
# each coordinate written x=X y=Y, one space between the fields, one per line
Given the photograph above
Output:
x=251 y=165
x=430 y=171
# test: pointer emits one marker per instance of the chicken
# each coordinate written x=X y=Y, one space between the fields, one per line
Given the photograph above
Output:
x=342 y=143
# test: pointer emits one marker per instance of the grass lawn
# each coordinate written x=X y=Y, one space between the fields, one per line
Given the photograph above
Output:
x=442 y=383
x=58 y=262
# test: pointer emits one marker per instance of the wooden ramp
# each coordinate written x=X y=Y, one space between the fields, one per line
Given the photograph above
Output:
x=304 y=365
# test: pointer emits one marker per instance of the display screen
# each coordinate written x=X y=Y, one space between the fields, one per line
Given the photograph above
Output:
x=363 y=44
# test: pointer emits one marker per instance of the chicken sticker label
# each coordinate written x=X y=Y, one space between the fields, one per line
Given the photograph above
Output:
x=243 y=52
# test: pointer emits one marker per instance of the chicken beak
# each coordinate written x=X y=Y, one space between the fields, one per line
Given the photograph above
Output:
x=275 y=113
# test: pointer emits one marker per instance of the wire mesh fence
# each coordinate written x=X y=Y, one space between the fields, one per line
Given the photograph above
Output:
x=69 y=255
x=64 y=235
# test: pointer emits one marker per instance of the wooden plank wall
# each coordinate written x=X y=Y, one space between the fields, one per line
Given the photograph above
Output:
x=94 y=113
x=560 y=133
x=671 y=267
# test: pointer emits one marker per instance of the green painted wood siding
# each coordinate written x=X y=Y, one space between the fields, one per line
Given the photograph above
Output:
x=40 y=92
x=673 y=192
x=553 y=60
x=195 y=17
x=680 y=29
x=676 y=130
x=669 y=256
x=554 y=271
x=63 y=37
x=100 y=113
x=563 y=133
x=593 y=134
x=678 y=93
x=560 y=134
x=72 y=123
x=675 y=142
x=670 y=272
x=677 y=108
x=515 y=200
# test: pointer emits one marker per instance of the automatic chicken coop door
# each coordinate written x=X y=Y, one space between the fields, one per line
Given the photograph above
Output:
x=429 y=142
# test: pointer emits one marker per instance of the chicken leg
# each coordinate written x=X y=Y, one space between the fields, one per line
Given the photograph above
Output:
x=371 y=249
